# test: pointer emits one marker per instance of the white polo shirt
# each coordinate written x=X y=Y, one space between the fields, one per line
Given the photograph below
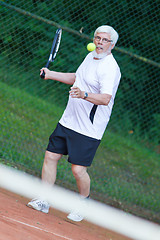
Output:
x=96 y=76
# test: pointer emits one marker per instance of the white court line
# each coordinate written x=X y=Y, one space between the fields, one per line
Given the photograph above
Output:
x=31 y=226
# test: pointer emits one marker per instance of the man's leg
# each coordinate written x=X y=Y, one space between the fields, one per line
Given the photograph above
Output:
x=82 y=179
x=49 y=170
x=83 y=184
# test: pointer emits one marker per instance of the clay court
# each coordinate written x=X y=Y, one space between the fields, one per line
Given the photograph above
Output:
x=20 y=222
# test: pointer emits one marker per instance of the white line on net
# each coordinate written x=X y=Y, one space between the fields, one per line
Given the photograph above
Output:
x=66 y=201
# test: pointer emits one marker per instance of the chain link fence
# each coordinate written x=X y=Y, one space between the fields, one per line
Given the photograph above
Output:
x=27 y=31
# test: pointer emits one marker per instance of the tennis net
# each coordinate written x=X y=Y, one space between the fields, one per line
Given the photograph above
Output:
x=100 y=214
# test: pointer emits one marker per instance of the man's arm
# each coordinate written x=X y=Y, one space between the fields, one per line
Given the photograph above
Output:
x=95 y=98
x=98 y=99
x=67 y=78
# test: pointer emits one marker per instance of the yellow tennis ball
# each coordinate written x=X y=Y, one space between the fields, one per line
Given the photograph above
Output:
x=91 y=47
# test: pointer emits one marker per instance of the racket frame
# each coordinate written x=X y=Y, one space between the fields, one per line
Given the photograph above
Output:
x=54 y=49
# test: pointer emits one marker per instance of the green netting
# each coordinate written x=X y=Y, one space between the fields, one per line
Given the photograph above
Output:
x=30 y=107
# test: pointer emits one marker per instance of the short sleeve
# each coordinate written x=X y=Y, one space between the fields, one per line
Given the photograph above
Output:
x=109 y=77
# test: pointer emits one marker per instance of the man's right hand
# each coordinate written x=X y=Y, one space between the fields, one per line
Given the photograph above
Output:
x=44 y=72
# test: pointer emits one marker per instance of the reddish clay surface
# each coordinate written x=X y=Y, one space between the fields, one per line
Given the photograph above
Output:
x=18 y=222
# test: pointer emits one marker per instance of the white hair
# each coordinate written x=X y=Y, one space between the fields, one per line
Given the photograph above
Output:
x=110 y=30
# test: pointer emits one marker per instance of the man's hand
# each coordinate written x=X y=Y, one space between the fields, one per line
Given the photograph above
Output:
x=46 y=71
x=76 y=92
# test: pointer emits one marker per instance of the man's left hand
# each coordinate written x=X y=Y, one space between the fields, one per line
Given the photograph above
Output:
x=76 y=92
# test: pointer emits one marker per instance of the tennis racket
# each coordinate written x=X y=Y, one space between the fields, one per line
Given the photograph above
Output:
x=54 y=49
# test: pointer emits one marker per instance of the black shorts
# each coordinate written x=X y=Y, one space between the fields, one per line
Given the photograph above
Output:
x=79 y=148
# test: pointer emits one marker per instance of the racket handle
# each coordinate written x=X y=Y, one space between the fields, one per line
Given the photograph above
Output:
x=43 y=74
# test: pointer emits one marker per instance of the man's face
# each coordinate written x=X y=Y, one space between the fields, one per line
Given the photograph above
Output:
x=103 y=42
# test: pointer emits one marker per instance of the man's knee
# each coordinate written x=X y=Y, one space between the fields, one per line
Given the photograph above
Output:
x=78 y=171
x=50 y=156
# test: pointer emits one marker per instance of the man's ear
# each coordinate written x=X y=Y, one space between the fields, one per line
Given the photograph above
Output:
x=112 y=46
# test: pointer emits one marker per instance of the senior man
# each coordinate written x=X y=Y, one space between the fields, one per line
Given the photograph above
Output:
x=81 y=127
